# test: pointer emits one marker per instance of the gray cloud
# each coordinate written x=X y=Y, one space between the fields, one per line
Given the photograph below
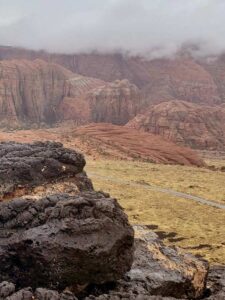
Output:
x=150 y=27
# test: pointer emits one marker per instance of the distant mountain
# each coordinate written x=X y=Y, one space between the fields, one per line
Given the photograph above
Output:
x=181 y=98
x=182 y=77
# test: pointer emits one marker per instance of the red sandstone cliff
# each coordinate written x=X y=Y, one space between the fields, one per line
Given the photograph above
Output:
x=185 y=123
x=34 y=92
x=31 y=91
x=182 y=77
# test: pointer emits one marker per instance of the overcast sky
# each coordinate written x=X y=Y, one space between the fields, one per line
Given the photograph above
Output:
x=159 y=27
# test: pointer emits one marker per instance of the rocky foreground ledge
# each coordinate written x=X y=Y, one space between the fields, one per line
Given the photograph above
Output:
x=40 y=169
x=60 y=239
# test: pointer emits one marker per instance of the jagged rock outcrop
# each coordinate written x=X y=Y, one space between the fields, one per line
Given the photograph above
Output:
x=185 y=123
x=40 y=169
x=64 y=240
x=122 y=142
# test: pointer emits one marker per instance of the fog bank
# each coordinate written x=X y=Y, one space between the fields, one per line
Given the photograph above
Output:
x=147 y=27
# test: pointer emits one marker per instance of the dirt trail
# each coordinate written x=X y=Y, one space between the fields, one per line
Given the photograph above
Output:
x=159 y=189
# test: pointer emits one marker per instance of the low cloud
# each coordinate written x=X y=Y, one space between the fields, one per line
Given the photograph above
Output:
x=147 y=27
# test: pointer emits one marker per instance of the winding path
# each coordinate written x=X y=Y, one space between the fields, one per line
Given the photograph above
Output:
x=159 y=189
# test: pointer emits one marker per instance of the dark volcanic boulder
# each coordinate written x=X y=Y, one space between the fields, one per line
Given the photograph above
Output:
x=159 y=272
x=216 y=282
x=26 y=166
x=63 y=240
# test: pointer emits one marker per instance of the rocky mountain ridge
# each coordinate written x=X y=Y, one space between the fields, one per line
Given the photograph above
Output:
x=182 y=77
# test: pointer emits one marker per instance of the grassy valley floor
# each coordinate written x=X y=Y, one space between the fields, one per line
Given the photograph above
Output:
x=195 y=227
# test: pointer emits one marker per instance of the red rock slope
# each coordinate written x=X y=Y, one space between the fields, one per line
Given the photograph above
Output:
x=121 y=142
x=111 y=141
x=185 y=123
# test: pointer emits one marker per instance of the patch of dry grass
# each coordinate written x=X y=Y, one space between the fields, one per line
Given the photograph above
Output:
x=191 y=180
x=197 y=228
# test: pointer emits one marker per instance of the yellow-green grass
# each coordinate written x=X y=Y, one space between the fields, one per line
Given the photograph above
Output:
x=191 y=180
x=199 y=228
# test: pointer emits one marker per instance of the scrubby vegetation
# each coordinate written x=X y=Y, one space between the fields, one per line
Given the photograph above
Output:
x=195 y=227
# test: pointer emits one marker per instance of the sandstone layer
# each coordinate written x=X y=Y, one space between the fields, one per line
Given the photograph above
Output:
x=185 y=123
x=34 y=93
x=119 y=141
x=182 y=77
x=110 y=141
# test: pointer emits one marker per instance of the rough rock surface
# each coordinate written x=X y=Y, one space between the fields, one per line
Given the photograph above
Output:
x=157 y=273
x=40 y=168
x=216 y=282
x=185 y=123
x=64 y=240
x=126 y=143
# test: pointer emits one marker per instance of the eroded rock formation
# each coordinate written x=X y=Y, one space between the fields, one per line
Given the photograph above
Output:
x=182 y=77
x=36 y=93
x=115 y=103
x=185 y=123
x=31 y=91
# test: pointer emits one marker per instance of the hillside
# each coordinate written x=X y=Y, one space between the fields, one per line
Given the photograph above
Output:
x=185 y=123
x=111 y=141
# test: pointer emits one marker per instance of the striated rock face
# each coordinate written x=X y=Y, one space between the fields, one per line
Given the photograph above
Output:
x=40 y=168
x=64 y=240
x=116 y=102
x=76 y=106
x=39 y=92
x=128 y=143
x=31 y=91
x=182 y=77
x=185 y=123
